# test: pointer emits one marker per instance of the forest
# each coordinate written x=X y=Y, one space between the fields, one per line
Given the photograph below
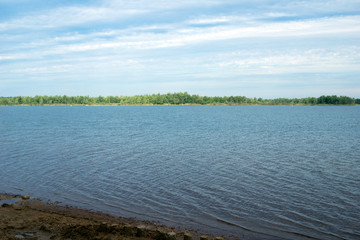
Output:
x=181 y=98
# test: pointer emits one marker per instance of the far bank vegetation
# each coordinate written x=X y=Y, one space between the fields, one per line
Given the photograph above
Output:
x=173 y=99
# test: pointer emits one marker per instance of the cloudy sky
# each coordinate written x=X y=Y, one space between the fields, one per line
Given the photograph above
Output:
x=257 y=48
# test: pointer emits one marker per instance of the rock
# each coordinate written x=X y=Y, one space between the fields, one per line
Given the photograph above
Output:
x=219 y=238
x=187 y=236
x=104 y=227
x=129 y=230
x=171 y=236
x=6 y=205
x=141 y=231
x=30 y=236
x=44 y=228
x=204 y=237
x=160 y=235
x=25 y=197
x=27 y=236
x=115 y=227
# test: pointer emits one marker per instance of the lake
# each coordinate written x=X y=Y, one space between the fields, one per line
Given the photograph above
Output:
x=255 y=172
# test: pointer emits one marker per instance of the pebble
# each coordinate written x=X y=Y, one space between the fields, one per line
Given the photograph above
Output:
x=27 y=236
x=25 y=197
x=187 y=236
x=171 y=235
x=204 y=237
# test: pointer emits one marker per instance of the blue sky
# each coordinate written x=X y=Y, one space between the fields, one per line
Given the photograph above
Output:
x=258 y=48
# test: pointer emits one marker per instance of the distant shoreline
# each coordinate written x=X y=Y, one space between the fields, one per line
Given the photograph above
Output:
x=165 y=105
x=170 y=99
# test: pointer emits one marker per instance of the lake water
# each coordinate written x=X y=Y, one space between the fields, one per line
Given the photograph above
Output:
x=255 y=172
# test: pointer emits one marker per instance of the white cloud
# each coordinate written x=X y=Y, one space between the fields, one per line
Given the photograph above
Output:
x=13 y=57
x=47 y=69
x=7 y=58
x=295 y=61
x=279 y=14
x=245 y=19
x=68 y=16
x=161 y=5
x=211 y=20
x=188 y=36
x=142 y=38
x=107 y=12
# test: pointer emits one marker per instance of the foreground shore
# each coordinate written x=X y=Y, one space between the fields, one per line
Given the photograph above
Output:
x=23 y=218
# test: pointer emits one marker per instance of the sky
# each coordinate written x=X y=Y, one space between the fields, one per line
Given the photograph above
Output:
x=257 y=48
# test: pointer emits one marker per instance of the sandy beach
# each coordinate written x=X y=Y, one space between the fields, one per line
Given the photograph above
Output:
x=22 y=218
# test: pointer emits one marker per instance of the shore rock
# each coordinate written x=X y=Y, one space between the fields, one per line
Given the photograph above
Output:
x=187 y=236
x=204 y=237
x=25 y=197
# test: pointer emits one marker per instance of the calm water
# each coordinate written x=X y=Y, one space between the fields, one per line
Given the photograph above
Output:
x=259 y=172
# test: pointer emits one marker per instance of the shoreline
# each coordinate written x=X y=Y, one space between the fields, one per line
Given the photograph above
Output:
x=169 y=105
x=24 y=218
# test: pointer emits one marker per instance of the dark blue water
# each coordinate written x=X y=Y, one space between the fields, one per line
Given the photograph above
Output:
x=258 y=172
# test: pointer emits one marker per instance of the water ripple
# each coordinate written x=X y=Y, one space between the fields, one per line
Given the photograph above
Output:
x=251 y=172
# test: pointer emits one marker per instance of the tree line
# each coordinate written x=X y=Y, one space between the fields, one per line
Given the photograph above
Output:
x=181 y=98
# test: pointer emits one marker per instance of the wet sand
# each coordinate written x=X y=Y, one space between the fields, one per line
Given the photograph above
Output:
x=37 y=220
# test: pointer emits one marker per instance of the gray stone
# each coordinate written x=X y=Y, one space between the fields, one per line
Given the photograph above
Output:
x=29 y=234
x=187 y=236
x=25 y=197
x=129 y=230
x=161 y=235
x=141 y=231
x=204 y=237
x=171 y=236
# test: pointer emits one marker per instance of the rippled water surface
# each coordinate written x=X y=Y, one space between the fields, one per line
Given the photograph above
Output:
x=259 y=172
